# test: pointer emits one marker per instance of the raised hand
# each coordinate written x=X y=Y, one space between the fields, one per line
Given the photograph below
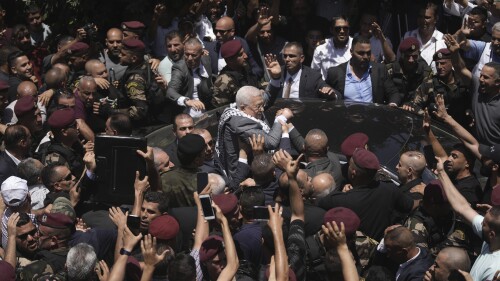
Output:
x=118 y=217
x=273 y=66
x=264 y=17
x=102 y=270
x=148 y=248
x=334 y=234
x=257 y=144
x=451 y=43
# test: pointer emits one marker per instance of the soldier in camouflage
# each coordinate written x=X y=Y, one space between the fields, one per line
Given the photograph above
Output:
x=134 y=83
x=434 y=225
x=236 y=74
x=454 y=90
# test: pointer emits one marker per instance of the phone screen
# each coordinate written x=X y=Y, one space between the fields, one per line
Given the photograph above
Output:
x=206 y=205
x=133 y=222
x=201 y=181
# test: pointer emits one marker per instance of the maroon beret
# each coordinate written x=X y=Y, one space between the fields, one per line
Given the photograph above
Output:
x=55 y=220
x=434 y=192
x=230 y=48
x=365 y=159
x=442 y=54
x=4 y=85
x=133 y=44
x=490 y=152
x=495 y=195
x=211 y=247
x=24 y=105
x=409 y=44
x=228 y=203
x=8 y=271
x=164 y=227
x=78 y=48
x=62 y=118
x=356 y=140
x=133 y=269
x=132 y=25
x=347 y=216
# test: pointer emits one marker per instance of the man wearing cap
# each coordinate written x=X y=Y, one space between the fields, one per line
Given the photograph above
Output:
x=434 y=224
x=55 y=232
x=180 y=183
x=17 y=141
x=78 y=54
x=65 y=146
x=361 y=80
x=373 y=201
x=30 y=115
x=447 y=83
x=132 y=30
x=16 y=198
x=429 y=37
x=21 y=69
x=183 y=124
x=410 y=70
x=225 y=31
x=134 y=83
x=191 y=84
x=234 y=75
x=349 y=145
x=165 y=229
x=295 y=80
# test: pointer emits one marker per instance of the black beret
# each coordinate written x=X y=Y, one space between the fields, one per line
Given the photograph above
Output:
x=189 y=147
x=24 y=105
x=409 y=44
x=61 y=118
x=230 y=48
x=442 y=54
x=133 y=44
x=55 y=220
x=132 y=25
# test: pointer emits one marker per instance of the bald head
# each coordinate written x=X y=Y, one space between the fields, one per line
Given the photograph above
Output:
x=63 y=67
x=316 y=143
x=26 y=88
x=401 y=237
x=411 y=165
x=224 y=29
x=323 y=184
x=114 y=32
x=455 y=258
x=114 y=38
x=55 y=78
x=96 y=69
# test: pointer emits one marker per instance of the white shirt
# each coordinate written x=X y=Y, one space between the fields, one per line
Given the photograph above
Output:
x=487 y=263
x=14 y=119
x=294 y=90
x=38 y=192
x=428 y=49
x=196 y=81
x=326 y=56
x=204 y=28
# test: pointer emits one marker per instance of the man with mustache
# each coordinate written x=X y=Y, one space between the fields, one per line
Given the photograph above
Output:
x=175 y=52
x=482 y=52
x=361 y=80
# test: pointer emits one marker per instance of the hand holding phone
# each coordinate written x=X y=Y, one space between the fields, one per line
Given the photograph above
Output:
x=201 y=181
x=206 y=205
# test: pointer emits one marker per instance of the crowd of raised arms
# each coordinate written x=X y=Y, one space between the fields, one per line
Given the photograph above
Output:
x=284 y=207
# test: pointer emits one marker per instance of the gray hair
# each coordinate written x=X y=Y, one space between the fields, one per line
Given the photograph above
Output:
x=86 y=79
x=217 y=182
x=157 y=152
x=496 y=27
x=245 y=95
x=80 y=262
x=29 y=170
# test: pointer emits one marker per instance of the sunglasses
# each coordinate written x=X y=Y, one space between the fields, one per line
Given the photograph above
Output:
x=32 y=233
x=68 y=177
x=339 y=28
x=289 y=56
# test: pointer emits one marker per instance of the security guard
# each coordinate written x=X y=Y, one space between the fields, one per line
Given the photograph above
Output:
x=410 y=70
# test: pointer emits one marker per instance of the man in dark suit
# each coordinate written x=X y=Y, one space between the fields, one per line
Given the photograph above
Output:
x=359 y=79
x=224 y=32
x=191 y=82
x=298 y=81
x=17 y=141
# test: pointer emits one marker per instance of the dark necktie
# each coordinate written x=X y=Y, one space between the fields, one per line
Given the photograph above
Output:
x=288 y=88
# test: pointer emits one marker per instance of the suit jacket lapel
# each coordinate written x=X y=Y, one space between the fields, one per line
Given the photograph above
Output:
x=302 y=84
x=374 y=77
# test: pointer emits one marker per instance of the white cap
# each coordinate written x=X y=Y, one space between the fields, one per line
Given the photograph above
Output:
x=14 y=191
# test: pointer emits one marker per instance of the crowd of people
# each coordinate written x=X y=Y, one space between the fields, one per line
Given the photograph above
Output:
x=323 y=219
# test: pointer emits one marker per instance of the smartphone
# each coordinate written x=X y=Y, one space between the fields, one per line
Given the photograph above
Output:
x=260 y=213
x=133 y=222
x=206 y=205
x=201 y=181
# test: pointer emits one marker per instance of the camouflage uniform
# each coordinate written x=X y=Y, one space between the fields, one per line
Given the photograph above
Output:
x=365 y=247
x=456 y=97
x=407 y=84
x=51 y=263
x=228 y=83
x=134 y=88
x=438 y=235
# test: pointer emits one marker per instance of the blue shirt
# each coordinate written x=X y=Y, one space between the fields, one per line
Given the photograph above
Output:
x=358 y=90
x=476 y=50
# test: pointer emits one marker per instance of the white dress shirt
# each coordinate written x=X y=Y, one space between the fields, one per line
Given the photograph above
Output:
x=326 y=56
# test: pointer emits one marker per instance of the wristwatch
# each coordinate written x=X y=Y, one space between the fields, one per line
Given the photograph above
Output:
x=125 y=252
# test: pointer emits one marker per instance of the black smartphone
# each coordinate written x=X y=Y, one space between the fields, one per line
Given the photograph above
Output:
x=260 y=213
x=206 y=206
x=133 y=222
x=201 y=181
